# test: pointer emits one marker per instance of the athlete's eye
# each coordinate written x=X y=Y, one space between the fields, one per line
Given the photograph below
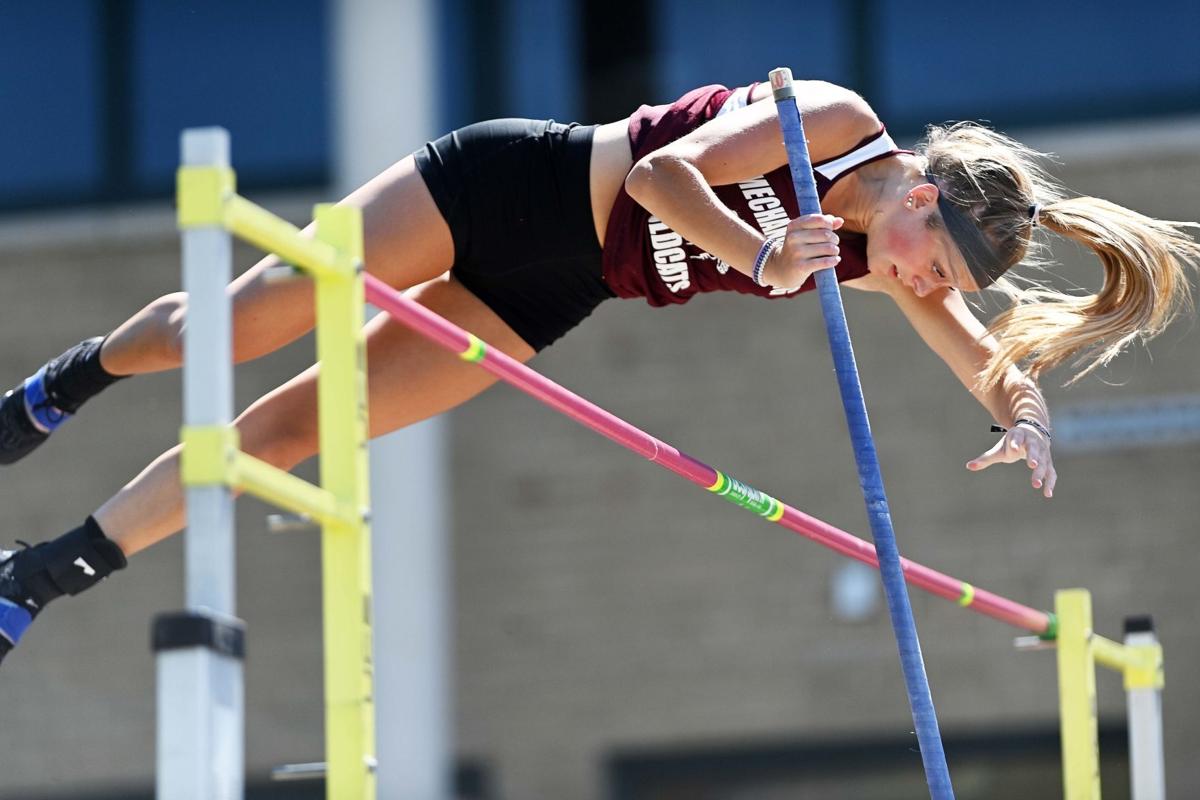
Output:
x=938 y=271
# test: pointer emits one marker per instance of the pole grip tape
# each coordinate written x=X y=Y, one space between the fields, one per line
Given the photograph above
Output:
x=182 y=630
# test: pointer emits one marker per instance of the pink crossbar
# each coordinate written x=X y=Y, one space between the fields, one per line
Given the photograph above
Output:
x=513 y=372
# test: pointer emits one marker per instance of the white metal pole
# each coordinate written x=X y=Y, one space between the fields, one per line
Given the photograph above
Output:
x=200 y=686
x=1144 y=702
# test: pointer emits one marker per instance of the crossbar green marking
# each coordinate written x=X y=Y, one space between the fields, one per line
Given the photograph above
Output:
x=968 y=595
x=476 y=351
x=747 y=497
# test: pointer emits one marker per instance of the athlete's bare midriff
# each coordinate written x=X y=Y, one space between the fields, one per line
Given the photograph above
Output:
x=612 y=159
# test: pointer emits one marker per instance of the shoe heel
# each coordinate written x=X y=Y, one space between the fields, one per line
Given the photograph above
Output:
x=14 y=621
x=44 y=414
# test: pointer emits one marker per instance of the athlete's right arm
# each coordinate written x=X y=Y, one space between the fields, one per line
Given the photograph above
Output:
x=674 y=182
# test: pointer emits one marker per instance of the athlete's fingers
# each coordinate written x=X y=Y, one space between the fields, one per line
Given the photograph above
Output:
x=998 y=453
x=814 y=228
x=810 y=245
x=1016 y=445
x=1040 y=470
x=827 y=221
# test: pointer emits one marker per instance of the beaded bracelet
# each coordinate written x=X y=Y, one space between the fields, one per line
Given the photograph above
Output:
x=760 y=261
x=1033 y=423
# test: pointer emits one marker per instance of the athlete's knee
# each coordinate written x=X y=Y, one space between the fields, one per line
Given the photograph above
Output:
x=169 y=314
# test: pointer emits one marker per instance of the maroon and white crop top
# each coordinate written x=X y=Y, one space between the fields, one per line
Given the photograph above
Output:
x=645 y=258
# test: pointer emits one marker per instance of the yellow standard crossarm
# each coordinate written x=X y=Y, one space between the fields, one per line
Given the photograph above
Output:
x=287 y=491
x=206 y=196
x=276 y=235
x=1140 y=665
x=211 y=458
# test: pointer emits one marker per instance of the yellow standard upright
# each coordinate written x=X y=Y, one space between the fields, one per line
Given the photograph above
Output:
x=345 y=543
x=1077 y=695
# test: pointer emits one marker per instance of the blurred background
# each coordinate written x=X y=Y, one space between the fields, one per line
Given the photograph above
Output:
x=555 y=618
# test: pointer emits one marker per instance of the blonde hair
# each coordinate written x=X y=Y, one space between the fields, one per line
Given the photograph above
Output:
x=996 y=180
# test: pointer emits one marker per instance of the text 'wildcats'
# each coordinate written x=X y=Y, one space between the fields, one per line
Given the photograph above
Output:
x=670 y=250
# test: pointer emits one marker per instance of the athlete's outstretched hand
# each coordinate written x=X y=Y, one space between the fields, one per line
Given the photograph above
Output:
x=810 y=244
x=1023 y=442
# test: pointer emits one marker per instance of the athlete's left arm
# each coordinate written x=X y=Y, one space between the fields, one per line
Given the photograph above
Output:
x=946 y=324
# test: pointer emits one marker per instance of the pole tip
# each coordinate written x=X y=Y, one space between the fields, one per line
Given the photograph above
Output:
x=1139 y=624
x=781 y=83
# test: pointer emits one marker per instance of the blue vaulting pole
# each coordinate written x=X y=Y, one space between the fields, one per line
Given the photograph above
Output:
x=937 y=774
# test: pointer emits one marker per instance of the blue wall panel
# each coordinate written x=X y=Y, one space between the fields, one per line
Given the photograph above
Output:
x=546 y=51
x=716 y=41
x=1025 y=62
x=50 y=132
x=259 y=69
x=454 y=104
x=94 y=94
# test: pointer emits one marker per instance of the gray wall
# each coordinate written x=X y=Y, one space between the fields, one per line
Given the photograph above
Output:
x=601 y=603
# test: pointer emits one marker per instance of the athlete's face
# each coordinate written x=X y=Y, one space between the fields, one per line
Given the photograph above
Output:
x=903 y=246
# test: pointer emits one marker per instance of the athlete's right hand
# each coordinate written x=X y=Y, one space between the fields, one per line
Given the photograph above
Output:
x=809 y=244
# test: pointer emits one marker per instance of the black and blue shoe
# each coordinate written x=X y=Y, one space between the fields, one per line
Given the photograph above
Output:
x=19 y=433
x=44 y=401
x=32 y=577
x=19 y=604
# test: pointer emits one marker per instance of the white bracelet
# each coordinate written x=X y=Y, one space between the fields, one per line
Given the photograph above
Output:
x=772 y=244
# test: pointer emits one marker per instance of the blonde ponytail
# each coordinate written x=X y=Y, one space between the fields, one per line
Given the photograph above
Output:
x=1145 y=262
x=997 y=181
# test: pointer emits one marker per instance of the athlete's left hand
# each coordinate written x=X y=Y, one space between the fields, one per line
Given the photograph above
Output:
x=1029 y=444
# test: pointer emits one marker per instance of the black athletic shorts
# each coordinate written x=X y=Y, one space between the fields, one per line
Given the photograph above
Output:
x=516 y=196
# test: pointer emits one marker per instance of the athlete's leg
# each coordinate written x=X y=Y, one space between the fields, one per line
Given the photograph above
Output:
x=410 y=379
x=406 y=242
